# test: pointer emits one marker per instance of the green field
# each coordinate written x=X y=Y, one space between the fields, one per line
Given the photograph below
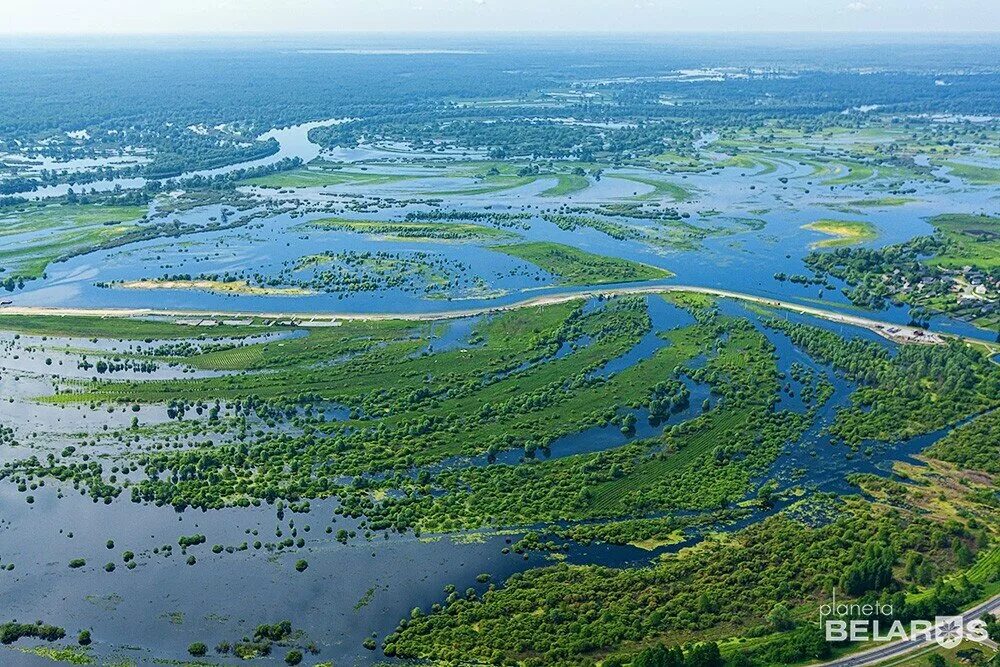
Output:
x=57 y=231
x=661 y=189
x=849 y=174
x=973 y=173
x=573 y=266
x=973 y=240
x=567 y=184
x=311 y=177
x=844 y=232
x=486 y=186
x=454 y=231
x=122 y=328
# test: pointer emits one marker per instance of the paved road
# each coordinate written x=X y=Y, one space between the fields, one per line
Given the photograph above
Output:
x=887 y=329
x=900 y=648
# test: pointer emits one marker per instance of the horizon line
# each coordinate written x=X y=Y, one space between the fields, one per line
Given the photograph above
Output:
x=512 y=32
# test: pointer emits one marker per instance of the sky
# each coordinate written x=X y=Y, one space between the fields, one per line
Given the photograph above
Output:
x=36 y=17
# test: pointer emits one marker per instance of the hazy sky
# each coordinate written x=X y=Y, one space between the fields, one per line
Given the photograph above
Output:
x=292 y=16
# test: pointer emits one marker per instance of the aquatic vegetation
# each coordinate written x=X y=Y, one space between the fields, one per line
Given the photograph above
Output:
x=488 y=185
x=848 y=174
x=666 y=233
x=612 y=229
x=567 y=184
x=488 y=216
x=975 y=174
x=920 y=389
x=13 y=631
x=42 y=217
x=69 y=655
x=878 y=202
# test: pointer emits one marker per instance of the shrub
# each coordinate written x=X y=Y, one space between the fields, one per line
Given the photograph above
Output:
x=11 y=632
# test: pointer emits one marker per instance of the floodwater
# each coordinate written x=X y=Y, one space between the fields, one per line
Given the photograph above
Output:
x=732 y=257
x=350 y=591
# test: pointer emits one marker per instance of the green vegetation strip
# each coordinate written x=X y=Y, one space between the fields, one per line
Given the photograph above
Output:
x=567 y=184
x=573 y=266
x=309 y=177
x=123 y=328
x=844 y=232
x=661 y=189
x=452 y=231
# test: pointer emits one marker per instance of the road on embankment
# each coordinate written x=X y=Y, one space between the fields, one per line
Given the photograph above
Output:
x=903 y=647
x=896 y=332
